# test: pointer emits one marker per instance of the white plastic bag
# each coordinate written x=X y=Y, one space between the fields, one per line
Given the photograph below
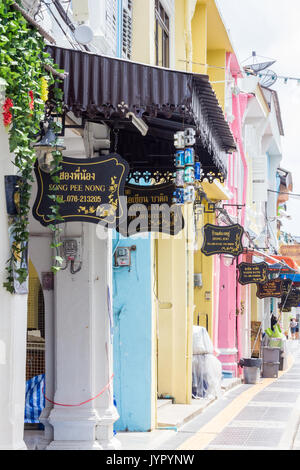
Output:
x=213 y=375
x=206 y=376
x=199 y=384
x=202 y=343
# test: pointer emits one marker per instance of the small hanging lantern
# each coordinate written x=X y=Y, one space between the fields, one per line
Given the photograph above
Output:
x=44 y=148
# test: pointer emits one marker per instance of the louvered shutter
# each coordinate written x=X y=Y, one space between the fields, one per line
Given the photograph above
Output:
x=260 y=178
x=111 y=35
x=127 y=29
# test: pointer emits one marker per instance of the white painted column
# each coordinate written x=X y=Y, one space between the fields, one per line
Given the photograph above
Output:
x=40 y=254
x=83 y=349
x=13 y=327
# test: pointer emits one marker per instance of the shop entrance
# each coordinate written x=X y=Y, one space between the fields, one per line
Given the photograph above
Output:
x=35 y=351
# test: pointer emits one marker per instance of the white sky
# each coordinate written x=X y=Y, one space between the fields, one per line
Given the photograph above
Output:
x=271 y=28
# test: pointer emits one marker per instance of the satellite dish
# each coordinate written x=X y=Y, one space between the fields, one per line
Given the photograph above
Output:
x=256 y=68
x=83 y=34
x=268 y=78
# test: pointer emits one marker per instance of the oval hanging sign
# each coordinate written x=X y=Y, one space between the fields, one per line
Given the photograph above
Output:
x=88 y=191
x=252 y=273
x=272 y=288
x=292 y=298
x=218 y=239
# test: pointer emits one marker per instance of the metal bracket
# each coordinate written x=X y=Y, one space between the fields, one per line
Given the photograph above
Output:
x=238 y=206
x=211 y=207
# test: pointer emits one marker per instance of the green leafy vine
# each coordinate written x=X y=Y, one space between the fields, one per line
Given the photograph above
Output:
x=22 y=66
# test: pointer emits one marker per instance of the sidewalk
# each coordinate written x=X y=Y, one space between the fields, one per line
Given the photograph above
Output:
x=264 y=416
x=170 y=418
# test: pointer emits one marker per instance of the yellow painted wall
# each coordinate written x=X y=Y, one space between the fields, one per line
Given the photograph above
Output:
x=180 y=36
x=143 y=50
x=175 y=274
x=203 y=296
x=174 y=269
x=254 y=301
x=143 y=31
x=216 y=60
x=32 y=302
x=173 y=265
x=199 y=38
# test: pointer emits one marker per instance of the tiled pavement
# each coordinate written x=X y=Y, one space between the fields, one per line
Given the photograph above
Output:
x=265 y=423
x=269 y=420
x=265 y=416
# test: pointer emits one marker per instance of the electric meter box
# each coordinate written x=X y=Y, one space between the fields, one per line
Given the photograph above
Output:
x=123 y=256
x=198 y=280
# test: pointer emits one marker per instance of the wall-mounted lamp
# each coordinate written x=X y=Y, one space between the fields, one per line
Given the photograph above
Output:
x=235 y=90
x=228 y=260
x=138 y=123
x=44 y=148
x=3 y=85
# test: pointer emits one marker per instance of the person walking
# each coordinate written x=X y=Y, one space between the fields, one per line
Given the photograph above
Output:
x=297 y=329
x=293 y=326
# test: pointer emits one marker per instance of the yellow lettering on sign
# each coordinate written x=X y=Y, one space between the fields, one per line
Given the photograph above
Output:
x=76 y=187
x=94 y=187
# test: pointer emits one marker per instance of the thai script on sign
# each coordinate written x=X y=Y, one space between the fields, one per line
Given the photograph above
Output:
x=80 y=174
x=218 y=239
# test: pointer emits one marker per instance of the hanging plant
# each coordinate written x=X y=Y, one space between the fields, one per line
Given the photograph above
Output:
x=44 y=89
x=22 y=65
x=31 y=104
x=7 y=115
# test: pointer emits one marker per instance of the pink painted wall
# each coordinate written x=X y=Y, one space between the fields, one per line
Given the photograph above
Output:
x=230 y=293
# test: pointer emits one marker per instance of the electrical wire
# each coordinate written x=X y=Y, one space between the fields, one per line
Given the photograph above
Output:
x=60 y=26
x=286 y=193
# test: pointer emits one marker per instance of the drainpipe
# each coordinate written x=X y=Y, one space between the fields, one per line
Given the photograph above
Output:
x=237 y=113
x=190 y=6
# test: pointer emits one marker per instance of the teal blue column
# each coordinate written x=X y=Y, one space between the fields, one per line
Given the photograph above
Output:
x=132 y=307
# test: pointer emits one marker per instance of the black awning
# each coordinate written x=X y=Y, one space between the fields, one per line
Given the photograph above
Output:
x=104 y=87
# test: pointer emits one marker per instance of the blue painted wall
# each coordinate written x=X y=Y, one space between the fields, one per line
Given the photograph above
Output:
x=119 y=28
x=132 y=307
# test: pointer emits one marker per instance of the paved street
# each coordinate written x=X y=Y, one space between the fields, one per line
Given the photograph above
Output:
x=265 y=416
x=249 y=417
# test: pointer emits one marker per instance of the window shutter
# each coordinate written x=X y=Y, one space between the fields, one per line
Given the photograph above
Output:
x=127 y=29
x=111 y=7
x=260 y=178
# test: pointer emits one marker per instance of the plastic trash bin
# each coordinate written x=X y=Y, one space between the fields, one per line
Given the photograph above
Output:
x=251 y=368
x=270 y=370
x=283 y=357
x=270 y=354
x=271 y=362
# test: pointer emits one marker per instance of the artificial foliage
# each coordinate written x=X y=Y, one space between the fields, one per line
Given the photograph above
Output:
x=22 y=66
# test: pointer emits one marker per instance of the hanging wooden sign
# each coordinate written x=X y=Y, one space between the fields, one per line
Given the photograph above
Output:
x=286 y=284
x=88 y=190
x=151 y=209
x=285 y=308
x=253 y=273
x=292 y=299
x=227 y=240
x=272 y=288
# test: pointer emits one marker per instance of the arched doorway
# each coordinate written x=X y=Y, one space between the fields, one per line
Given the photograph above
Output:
x=35 y=351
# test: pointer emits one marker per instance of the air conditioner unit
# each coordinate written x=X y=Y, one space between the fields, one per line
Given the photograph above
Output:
x=198 y=279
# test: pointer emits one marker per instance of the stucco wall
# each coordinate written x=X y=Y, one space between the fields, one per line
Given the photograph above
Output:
x=133 y=327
